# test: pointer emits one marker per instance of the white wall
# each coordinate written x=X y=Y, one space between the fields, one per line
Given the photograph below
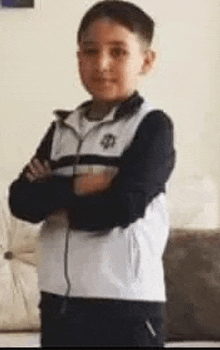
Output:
x=38 y=72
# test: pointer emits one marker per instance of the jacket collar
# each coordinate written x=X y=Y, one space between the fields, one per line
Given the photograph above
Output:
x=124 y=109
x=130 y=106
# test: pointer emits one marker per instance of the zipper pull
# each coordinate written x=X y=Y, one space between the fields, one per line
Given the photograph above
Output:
x=64 y=307
x=152 y=331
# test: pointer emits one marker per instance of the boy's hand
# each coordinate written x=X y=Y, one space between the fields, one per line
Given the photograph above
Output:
x=38 y=171
x=90 y=183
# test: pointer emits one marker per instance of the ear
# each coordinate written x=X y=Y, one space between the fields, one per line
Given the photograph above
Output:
x=78 y=55
x=149 y=59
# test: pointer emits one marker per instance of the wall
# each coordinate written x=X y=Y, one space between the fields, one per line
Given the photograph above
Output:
x=38 y=72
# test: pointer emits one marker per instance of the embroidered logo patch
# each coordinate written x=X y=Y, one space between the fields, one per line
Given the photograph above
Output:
x=108 y=141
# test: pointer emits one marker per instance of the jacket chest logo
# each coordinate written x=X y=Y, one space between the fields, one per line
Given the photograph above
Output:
x=108 y=141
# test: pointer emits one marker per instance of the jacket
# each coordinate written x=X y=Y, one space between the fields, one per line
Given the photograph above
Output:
x=111 y=244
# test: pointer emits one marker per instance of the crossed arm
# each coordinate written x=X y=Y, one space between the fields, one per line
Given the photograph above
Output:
x=145 y=167
x=85 y=184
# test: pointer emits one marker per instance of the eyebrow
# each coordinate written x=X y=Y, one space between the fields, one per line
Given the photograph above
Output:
x=113 y=42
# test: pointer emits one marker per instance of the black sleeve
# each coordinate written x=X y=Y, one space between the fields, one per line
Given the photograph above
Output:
x=33 y=201
x=43 y=150
x=145 y=167
x=23 y=195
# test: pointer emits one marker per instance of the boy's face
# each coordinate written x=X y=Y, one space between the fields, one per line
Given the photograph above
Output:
x=112 y=60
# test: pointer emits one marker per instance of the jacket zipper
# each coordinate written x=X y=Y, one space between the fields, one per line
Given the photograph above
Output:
x=64 y=305
x=77 y=155
x=82 y=139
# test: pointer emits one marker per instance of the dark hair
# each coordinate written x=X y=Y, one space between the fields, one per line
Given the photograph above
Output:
x=123 y=12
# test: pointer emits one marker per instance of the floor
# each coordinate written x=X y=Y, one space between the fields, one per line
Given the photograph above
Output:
x=29 y=340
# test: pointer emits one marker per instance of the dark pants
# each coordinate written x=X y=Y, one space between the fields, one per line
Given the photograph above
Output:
x=93 y=323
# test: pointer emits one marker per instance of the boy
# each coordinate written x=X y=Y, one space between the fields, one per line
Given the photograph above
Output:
x=98 y=182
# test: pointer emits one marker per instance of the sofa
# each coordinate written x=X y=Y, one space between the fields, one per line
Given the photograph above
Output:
x=19 y=296
x=191 y=263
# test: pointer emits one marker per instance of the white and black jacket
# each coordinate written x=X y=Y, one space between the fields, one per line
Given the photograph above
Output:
x=106 y=245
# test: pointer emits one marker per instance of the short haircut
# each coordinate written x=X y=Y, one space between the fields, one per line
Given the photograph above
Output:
x=123 y=12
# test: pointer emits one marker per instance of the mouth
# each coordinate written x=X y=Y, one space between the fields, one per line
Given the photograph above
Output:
x=103 y=80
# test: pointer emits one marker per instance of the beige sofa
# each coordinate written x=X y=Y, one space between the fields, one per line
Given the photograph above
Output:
x=19 y=296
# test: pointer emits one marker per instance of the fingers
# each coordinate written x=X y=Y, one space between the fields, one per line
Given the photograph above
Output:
x=47 y=166
x=38 y=170
x=30 y=177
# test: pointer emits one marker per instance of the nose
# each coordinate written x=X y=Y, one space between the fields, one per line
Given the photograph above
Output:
x=103 y=62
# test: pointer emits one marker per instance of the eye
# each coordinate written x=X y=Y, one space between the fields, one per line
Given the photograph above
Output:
x=90 y=51
x=118 y=52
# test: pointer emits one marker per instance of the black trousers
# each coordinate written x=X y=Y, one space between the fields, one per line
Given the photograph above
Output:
x=78 y=322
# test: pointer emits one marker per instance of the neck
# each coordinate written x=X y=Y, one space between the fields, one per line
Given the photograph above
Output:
x=99 y=110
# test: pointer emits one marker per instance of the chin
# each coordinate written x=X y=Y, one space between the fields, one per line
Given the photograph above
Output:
x=105 y=97
x=108 y=97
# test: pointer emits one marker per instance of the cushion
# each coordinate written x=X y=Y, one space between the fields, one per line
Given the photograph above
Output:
x=192 y=274
x=19 y=295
